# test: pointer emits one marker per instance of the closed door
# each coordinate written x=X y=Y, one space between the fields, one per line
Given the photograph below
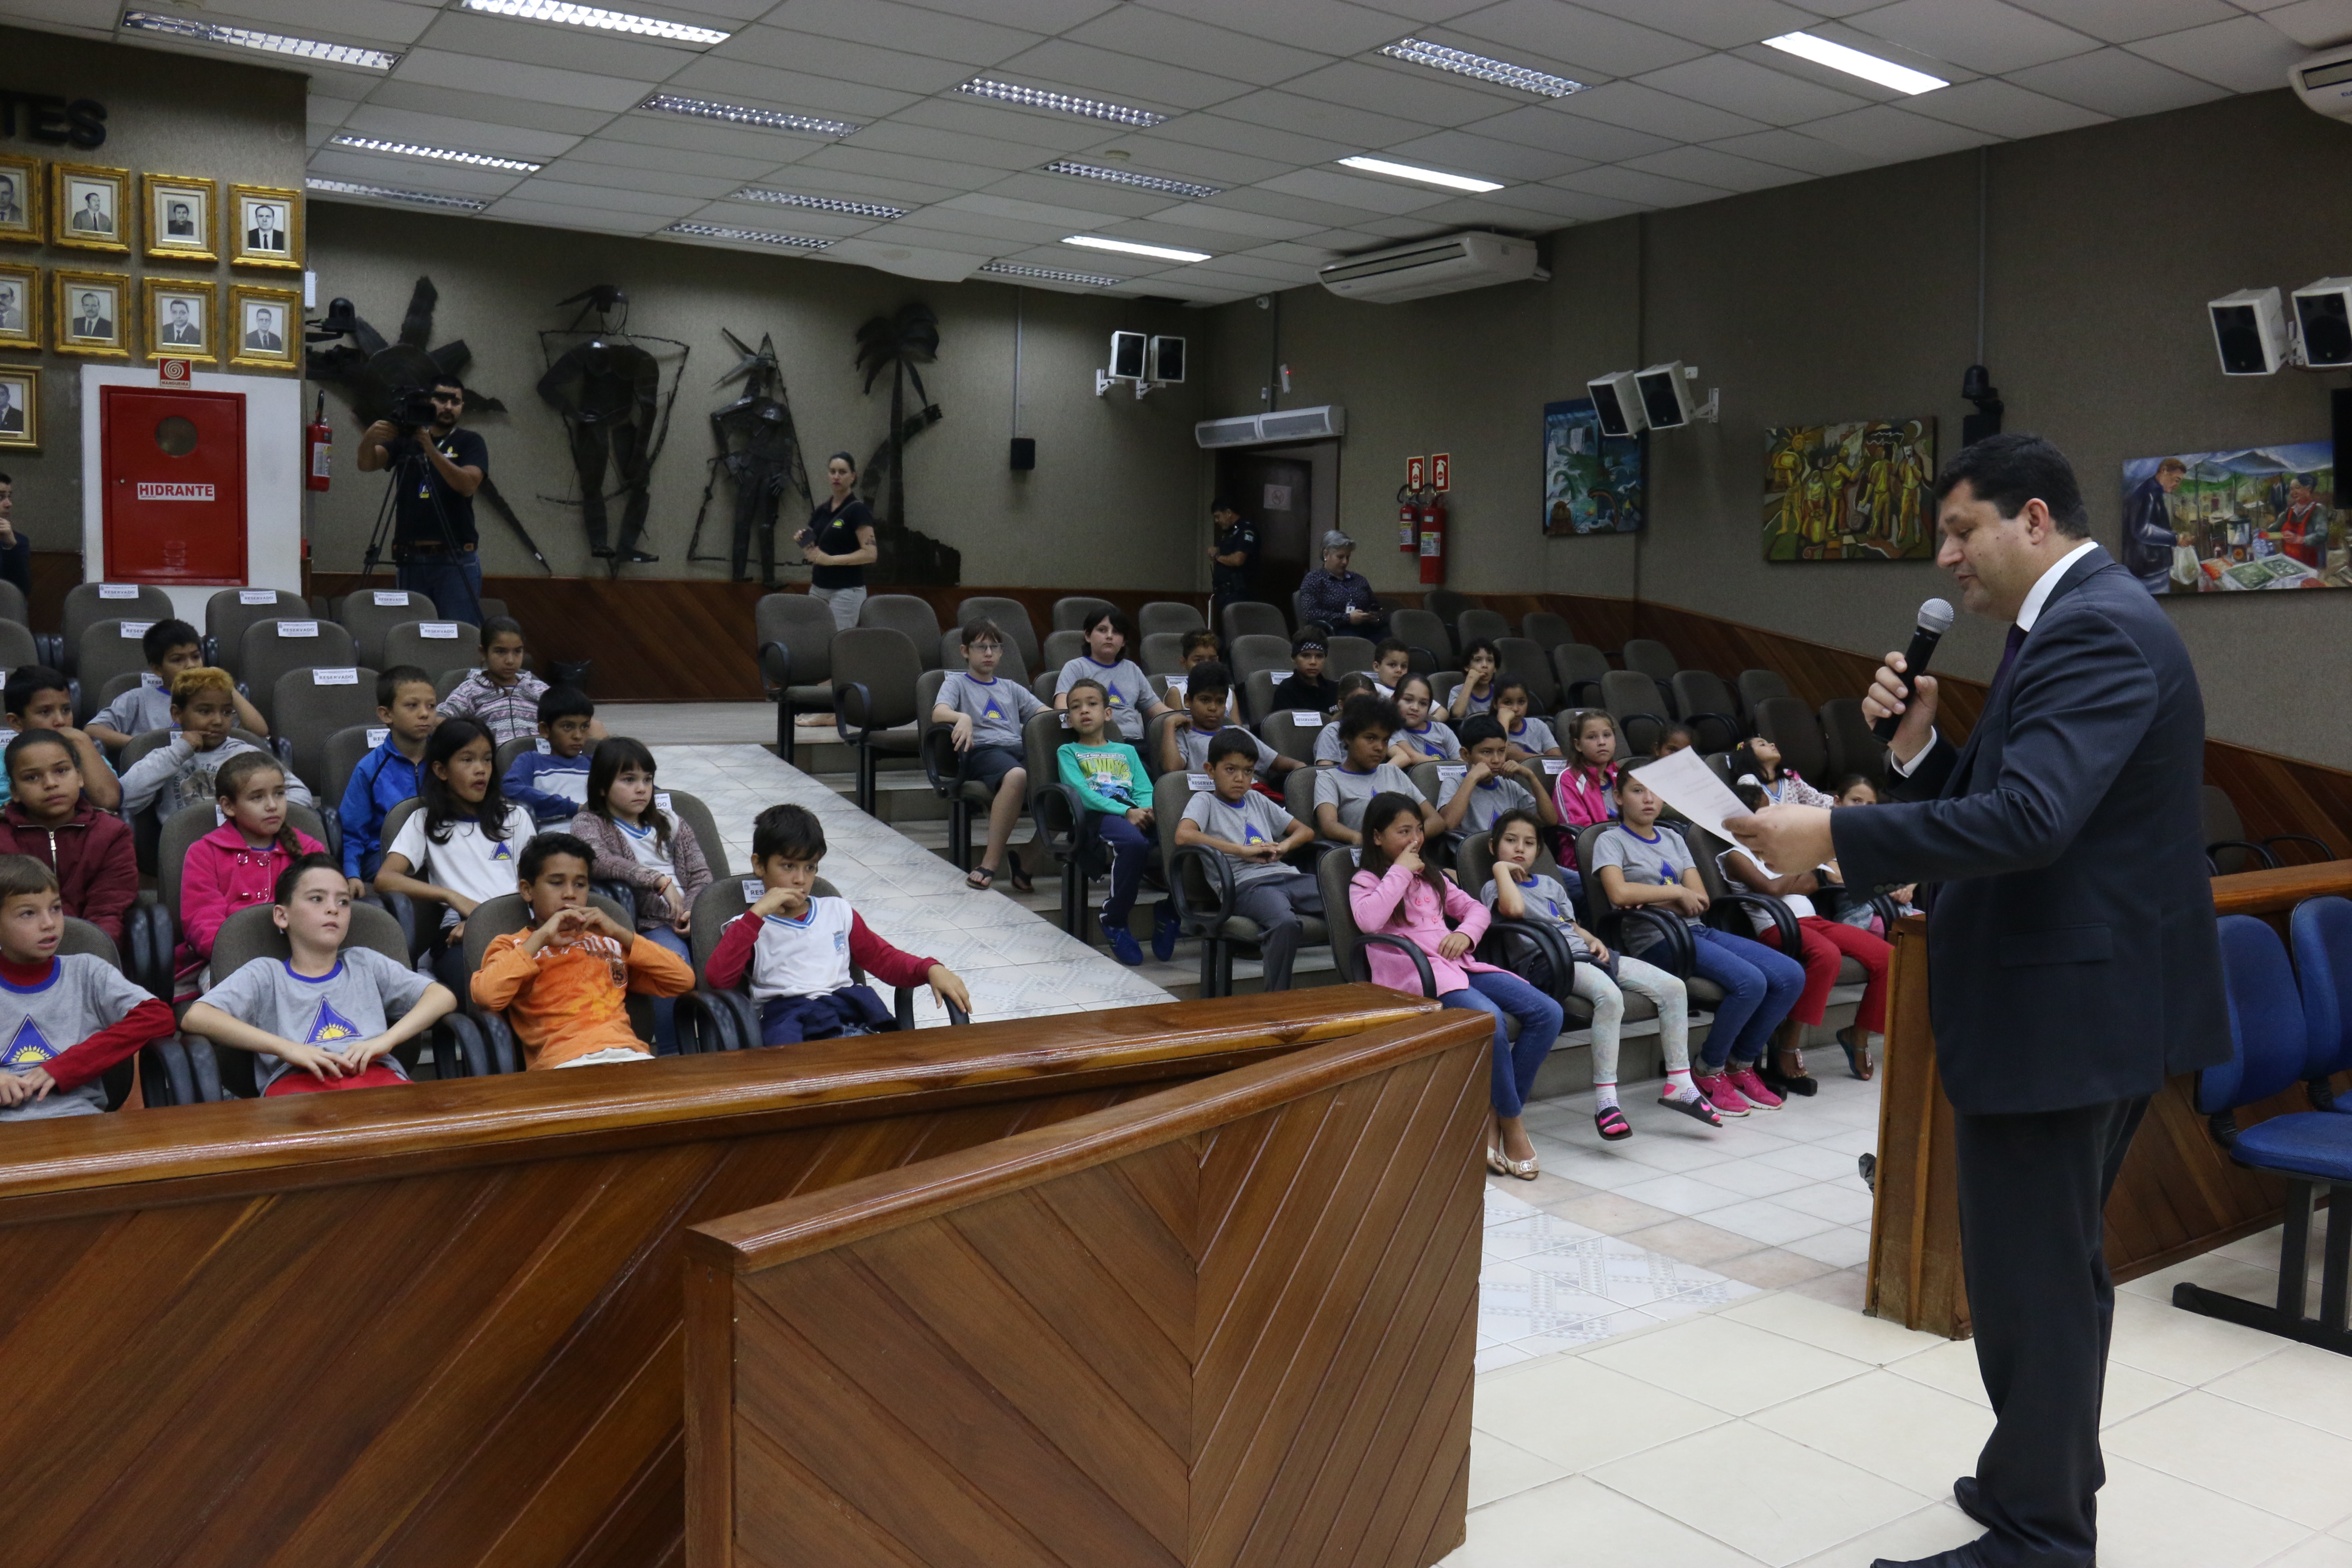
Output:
x=1274 y=493
x=174 y=461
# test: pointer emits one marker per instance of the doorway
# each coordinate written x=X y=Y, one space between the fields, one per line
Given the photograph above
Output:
x=1276 y=492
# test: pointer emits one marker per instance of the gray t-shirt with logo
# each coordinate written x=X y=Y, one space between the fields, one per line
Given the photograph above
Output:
x=1488 y=800
x=999 y=708
x=1545 y=901
x=1252 y=819
x=1193 y=747
x=83 y=995
x=1351 y=792
x=356 y=999
x=1658 y=861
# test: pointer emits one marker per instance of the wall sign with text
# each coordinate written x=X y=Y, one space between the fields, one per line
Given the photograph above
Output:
x=52 y=118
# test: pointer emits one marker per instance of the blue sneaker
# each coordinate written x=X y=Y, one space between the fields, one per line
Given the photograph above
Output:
x=1164 y=932
x=1122 y=943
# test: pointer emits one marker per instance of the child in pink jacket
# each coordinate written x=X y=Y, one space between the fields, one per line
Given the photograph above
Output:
x=236 y=864
x=1395 y=893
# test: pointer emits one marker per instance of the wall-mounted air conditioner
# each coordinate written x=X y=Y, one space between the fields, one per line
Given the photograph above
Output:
x=1270 y=429
x=1441 y=265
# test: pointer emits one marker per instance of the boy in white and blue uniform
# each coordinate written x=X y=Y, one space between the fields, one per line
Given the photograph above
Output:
x=553 y=780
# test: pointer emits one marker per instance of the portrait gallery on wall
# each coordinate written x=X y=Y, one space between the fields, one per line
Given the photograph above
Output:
x=2218 y=522
x=1855 y=491
x=1593 y=484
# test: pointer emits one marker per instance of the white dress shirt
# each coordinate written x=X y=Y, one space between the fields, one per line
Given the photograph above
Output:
x=2027 y=614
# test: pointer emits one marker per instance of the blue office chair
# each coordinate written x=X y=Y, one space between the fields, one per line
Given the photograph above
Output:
x=2321 y=931
x=2270 y=1050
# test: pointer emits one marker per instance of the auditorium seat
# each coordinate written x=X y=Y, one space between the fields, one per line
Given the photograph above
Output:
x=874 y=673
x=1011 y=618
x=1291 y=738
x=162 y=1066
x=1528 y=660
x=1473 y=867
x=1060 y=648
x=1758 y=685
x=1162 y=654
x=1071 y=612
x=1674 y=951
x=1853 y=749
x=1201 y=881
x=1791 y=726
x=13 y=607
x=494 y=918
x=1473 y=623
x=228 y=613
x=1347 y=653
x=271 y=648
x=373 y=612
x=1248 y=653
x=942 y=765
x=1632 y=699
x=90 y=603
x=1448 y=605
x=309 y=706
x=794 y=635
x=910 y=616
x=1655 y=659
x=1253 y=617
x=2227 y=847
x=1707 y=706
x=429 y=645
x=147 y=827
x=1545 y=630
x=1257 y=694
x=728 y=1020
x=1168 y=616
x=1578 y=668
x=1426 y=636
x=342 y=751
x=108 y=648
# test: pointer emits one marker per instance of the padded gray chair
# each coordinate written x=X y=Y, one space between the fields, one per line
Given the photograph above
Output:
x=1289 y=737
x=308 y=707
x=507 y=750
x=1257 y=695
x=1347 y=653
x=1475 y=622
x=1546 y=630
x=875 y=670
x=1707 y=706
x=1059 y=649
x=1201 y=882
x=691 y=810
x=13 y=607
x=1632 y=699
x=1011 y=616
x=342 y=751
x=1248 y=653
x=230 y=610
x=908 y=613
x=1168 y=616
x=109 y=649
x=794 y=636
x=272 y=649
x=1759 y=686
x=942 y=765
x=1448 y=605
x=369 y=614
x=90 y=603
x=1524 y=659
x=1473 y=867
x=428 y=645
x=1163 y=653
x=164 y=1073
x=1430 y=641
x=1578 y=668
x=1009 y=662
x=1791 y=726
x=179 y=835
x=1252 y=618
x=1655 y=659
x=18 y=644
x=1853 y=749
x=1070 y=614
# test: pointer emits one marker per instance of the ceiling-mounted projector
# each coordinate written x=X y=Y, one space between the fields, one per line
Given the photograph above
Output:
x=2250 y=331
x=2323 y=81
x=1618 y=404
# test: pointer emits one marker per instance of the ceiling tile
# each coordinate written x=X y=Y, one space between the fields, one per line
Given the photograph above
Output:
x=562 y=214
x=636 y=155
x=851 y=159
x=326 y=114
x=856 y=187
x=609 y=198
x=1341 y=189
x=1287 y=147
x=923 y=142
x=1218 y=218
x=885 y=23
x=1589 y=141
x=1721 y=24
x=1156 y=154
x=697 y=181
x=1359 y=129
x=1630 y=184
x=1065 y=190
x=1430 y=96
x=694 y=136
x=1123 y=79
x=1795 y=150
x=2122 y=21
x=468 y=135
x=1045 y=17
x=1712 y=166
x=1494 y=159
x=1182 y=43
x=1292 y=253
x=88 y=18
x=387 y=21
x=785 y=220
x=1072 y=259
x=2002 y=109
x=1070 y=219
x=820 y=56
x=966 y=231
x=1182 y=236
x=2117 y=82
x=2314 y=24
x=1887 y=134
x=1637 y=107
x=1598 y=46
x=762 y=86
x=1759 y=91
x=514 y=78
x=2247 y=55
x=427 y=98
x=1982 y=34
x=1303 y=209
x=1533 y=208
x=543 y=43
x=1426 y=11
x=1327 y=27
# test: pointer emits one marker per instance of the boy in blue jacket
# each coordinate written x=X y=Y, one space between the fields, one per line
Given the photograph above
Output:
x=387 y=775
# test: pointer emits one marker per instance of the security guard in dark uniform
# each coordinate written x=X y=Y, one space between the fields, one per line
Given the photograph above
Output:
x=1233 y=574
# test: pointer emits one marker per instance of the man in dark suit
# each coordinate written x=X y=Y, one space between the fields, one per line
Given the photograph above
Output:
x=264 y=235
x=12 y=419
x=180 y=332
x=12 y=211
x=93 y=218
x=2071 y=940
x=263 y=339
x=89 y=323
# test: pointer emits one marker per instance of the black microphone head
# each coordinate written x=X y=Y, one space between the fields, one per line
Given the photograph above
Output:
x=1936 y=615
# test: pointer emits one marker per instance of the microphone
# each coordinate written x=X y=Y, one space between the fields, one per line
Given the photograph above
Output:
x=1935 y=620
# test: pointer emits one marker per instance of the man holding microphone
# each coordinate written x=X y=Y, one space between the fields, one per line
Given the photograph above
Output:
x=2070 y=944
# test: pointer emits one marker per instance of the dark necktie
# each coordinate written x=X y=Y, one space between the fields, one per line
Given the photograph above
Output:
x=2008 y=657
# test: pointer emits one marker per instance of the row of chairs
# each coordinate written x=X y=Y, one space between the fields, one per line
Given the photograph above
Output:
x=112 y=660
x=367 y=615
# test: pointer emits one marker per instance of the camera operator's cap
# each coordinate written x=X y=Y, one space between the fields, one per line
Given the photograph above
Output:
x=1310 y=642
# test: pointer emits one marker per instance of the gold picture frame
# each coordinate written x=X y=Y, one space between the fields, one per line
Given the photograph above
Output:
x=249 y=207
x=20 y=407
x=20 y=305
x=181 y=216
x=20 y=201
x=88 y=207
x=284 y=323
x=73 y=308
x=175 y=307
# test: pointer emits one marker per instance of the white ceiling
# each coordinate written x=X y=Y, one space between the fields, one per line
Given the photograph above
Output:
x=1682 y=104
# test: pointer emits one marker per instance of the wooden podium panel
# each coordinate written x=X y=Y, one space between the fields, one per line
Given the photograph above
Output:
x=440 y=1325
x=1229 y=1323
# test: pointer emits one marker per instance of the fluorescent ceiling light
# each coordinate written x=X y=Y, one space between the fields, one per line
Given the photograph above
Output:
x=1854 y=62
x=743 y=114
x=1130 y=247
x=1051 y=274
x=572 y=16
x=1425 y=176
x=1060 y=102
x=1140 y=182
x=444 y=154
x=821 y=203
x=272 y=43
x=747 y=236
x=388 y=193
x=1461 y=62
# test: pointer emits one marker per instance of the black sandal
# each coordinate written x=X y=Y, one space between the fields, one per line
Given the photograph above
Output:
x=979 y=878
x=1022 y=882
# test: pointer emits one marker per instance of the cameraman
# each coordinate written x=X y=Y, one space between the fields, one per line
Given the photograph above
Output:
x=434 y=545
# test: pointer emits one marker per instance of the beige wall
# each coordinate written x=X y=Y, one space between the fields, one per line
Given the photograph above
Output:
x=1855 y=298
x=166 y=115
x=1110 y=504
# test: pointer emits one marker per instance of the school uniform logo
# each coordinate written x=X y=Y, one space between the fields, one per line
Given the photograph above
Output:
x=30 y=1048
x=501 y=852
x=329 y=1027
x=991 y=710
x=1253 y=834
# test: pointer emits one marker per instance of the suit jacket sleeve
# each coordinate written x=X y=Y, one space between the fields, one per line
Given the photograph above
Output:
x=2080 y=698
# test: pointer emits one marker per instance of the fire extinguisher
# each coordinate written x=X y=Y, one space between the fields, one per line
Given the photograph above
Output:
x=1432 y=540
x=1408 y=521
x=318 y=449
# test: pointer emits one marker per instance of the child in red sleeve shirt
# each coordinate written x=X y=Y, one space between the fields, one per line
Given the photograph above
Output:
x=798 y=948
x=63 y=1021
x=50 y=819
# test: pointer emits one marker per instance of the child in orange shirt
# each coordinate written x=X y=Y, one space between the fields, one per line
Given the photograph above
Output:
x=564 y=984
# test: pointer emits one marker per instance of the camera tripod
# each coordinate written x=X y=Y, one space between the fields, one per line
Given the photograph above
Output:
x=415 y=468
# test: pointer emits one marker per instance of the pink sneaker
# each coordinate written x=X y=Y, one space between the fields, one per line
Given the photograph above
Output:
x=1745 y=1080
x=1719 y=1093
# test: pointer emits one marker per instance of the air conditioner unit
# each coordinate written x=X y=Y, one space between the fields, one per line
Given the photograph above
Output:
x=2323 y=81
x=1271 y=430
x=1242 y=432
x=1443 y=265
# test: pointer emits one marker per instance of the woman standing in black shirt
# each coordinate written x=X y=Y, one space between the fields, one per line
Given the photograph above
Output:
x=839 y=543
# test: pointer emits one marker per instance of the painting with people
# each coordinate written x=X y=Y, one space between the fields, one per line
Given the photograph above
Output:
x=2218 y=522
x=1854 y=491
x=1593 y=484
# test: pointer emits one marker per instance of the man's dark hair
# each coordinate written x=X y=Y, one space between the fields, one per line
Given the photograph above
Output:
x=288 y=880
x=791 y=831
x=545 y=847
x=388 y=684
x=1478 y=727
x=446 y=378
x=1368 y=712
x=1225 y=503
x=1230 y=740
x=164 y=635
x=27 y=682
x=2013 y=468
x=6 y=480
x=563 y=702
x=1210 y=679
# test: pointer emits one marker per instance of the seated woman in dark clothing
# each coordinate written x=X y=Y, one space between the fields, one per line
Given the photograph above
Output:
x=16 y=549
x=1342 y=600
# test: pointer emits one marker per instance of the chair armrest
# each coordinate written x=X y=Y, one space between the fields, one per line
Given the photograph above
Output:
x=2327 y=850
x=902 y=1008
x=1682 y=955
x=1419 y=659
x=403 y=907
x=500 y=1054
x=939 y=763
x=284 y=747
x=1731 y=732
x=1065 y=818
x=846 y=696
x=1546 y=940
x=459 y=1050
x=1665 y=693
x=1783 y=919
x=51 y=647
x=164 y=1075
x=714 y=1023
x=1582 y=694
x=1883 y=905
x=1359 y=963
x=1219 y=875
x=777 y=676
x=2269 y=861
x=742 y=1019
x=204 y=1068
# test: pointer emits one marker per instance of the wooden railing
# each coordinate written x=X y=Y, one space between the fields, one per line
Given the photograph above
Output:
x=2177 y=1195
x=440 y=1325
x=1229 y=1323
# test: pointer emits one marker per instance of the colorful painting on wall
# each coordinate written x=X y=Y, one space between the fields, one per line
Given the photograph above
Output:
x=1857 y=491
x=1593 y=484
x=2219 y=522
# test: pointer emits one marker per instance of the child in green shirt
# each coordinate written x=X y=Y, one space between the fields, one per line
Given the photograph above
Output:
x=1115 y=791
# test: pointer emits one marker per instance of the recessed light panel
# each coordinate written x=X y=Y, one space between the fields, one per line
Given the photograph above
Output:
x=440 y=154
x=269 y=43
x=1060 y=102
x=570 y=16
x=747 y=236
x=1419 y=175
x=1461 y=62
x=391 y=194
x=1854 y=62
x=1140 y=182
x=1132 y=248
x=743 y=114
x=1050 y=274
x=819 y=204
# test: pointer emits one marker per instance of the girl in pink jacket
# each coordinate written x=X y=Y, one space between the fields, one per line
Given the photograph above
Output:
x=236 y=864
x=1395 y=893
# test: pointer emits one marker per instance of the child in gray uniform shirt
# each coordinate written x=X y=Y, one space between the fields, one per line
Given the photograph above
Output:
x=987 y=716
x=64 y=1020
x=1254 y=834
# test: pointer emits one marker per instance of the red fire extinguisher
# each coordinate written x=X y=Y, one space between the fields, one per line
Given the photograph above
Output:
x=318 y=449
x=1408 y=521
x=1432 y=540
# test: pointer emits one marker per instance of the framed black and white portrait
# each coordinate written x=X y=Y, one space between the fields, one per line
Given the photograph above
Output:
x=20 y=199
x=179 y=319
x=179 y=213
x=266 y=228
x=20 y=306
x=268 y=324
x=93 y=313
x=88 y=207
x=20 y=408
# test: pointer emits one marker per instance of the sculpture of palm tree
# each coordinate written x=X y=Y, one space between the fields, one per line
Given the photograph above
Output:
x=898 y=343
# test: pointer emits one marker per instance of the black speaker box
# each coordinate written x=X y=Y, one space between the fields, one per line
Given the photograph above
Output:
x=1024 y=453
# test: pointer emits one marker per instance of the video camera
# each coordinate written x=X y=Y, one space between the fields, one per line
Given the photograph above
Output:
x=412 y=408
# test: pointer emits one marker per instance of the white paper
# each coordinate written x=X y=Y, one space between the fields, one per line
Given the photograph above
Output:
x=544 y=749
x=1199 y=783
x=445 y=631
x=661 y=800
x=257 y=596
x=388 y=597
x=1684 y=781
x=330 y=675
x=1307 y=717
x=118 y=590
x=377 y=736
x=754 y=889
x=297 y=628
x=134 y=630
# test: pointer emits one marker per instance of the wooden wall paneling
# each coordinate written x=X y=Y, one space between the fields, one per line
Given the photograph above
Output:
x=443 y=1324
x=1231 y=1323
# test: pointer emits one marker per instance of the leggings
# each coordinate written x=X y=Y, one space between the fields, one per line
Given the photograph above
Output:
x=665 y=1007
x=1502 y=994
x=1607 y=998
x=1759 y=986
x=1826 y=942
x=1131 y=849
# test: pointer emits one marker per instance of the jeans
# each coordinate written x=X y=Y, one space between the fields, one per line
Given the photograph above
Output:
x=665 y=1007
x=453 y=583
x=845 y=603
x=1759 y=986
x=1131 y=849
x=1500 y=995
x=1276 y=903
